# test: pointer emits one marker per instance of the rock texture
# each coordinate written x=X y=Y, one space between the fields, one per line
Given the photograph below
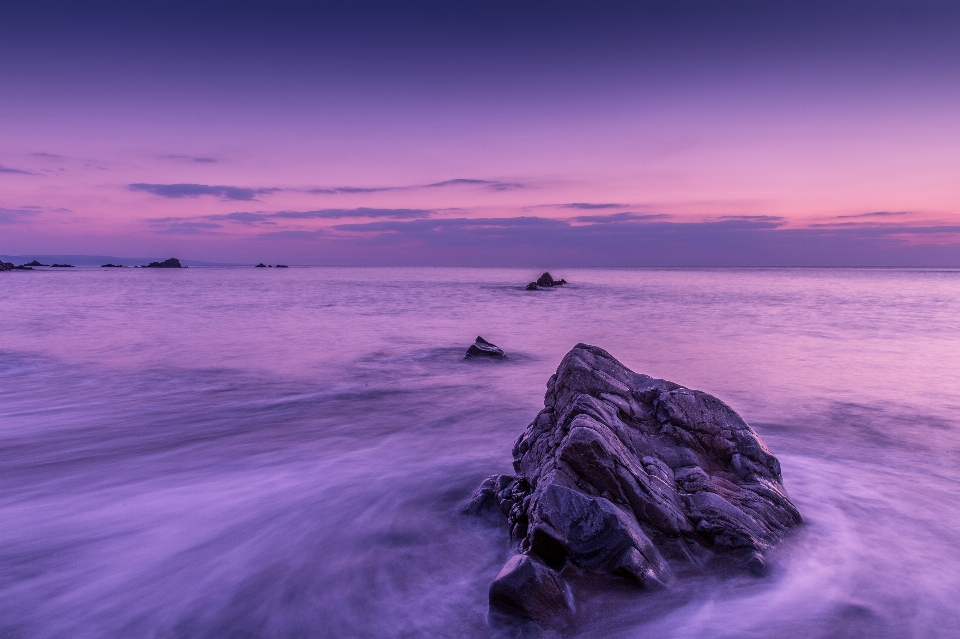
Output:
x=483 y=348
x=634 y=478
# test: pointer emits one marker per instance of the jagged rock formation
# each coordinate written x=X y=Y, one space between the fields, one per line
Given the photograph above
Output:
x=630 y=477
x=483 y=348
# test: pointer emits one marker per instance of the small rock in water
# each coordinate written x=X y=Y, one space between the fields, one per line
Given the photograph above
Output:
x=261 y=265
x=544 y=281
x=483 y=348
x=627 y=477
x=282 y=266
x=171 y=263
x=61 y=266
x=35 y=263
x=111 y=266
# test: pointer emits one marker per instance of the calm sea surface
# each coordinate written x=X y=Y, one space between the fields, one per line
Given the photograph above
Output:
x=282 y=453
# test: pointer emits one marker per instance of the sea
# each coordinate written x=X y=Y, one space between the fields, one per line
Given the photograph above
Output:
x=262 y=452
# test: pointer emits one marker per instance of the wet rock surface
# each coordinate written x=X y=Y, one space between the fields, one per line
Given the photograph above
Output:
x=483 y=348
x=632 y=478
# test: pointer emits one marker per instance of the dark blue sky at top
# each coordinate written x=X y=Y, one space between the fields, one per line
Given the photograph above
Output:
x=475 y=50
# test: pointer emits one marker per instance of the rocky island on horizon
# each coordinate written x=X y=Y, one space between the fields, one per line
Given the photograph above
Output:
x=170 y=263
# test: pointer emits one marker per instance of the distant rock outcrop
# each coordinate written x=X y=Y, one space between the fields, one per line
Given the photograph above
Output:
x=629 y=477
x=171 y=263
x=544 y=281
x=112 y=266
x=35 y=263
x=261 y=265
x=282 y=266
x=483 y=348
x=61 y=266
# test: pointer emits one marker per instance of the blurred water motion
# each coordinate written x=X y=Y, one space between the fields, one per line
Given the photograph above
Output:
x=233 y=452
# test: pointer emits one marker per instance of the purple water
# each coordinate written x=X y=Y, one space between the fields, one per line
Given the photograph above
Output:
x=281 y=453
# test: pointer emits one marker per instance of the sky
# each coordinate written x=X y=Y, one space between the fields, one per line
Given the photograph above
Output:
x=483 y=133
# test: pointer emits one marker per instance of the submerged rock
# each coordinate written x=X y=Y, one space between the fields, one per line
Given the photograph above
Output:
x=633 y=478
x=171 y=263
x=483 y=348
x=532 y=286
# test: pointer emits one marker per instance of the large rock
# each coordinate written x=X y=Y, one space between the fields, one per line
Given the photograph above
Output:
x=633 y=478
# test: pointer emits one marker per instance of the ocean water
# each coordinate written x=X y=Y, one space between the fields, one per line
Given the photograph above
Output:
x=226 y=452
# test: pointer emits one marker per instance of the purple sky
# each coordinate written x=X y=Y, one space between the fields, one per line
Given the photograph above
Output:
x=552 y=134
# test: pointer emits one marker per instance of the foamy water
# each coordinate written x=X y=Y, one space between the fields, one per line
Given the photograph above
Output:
x=282 y=453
